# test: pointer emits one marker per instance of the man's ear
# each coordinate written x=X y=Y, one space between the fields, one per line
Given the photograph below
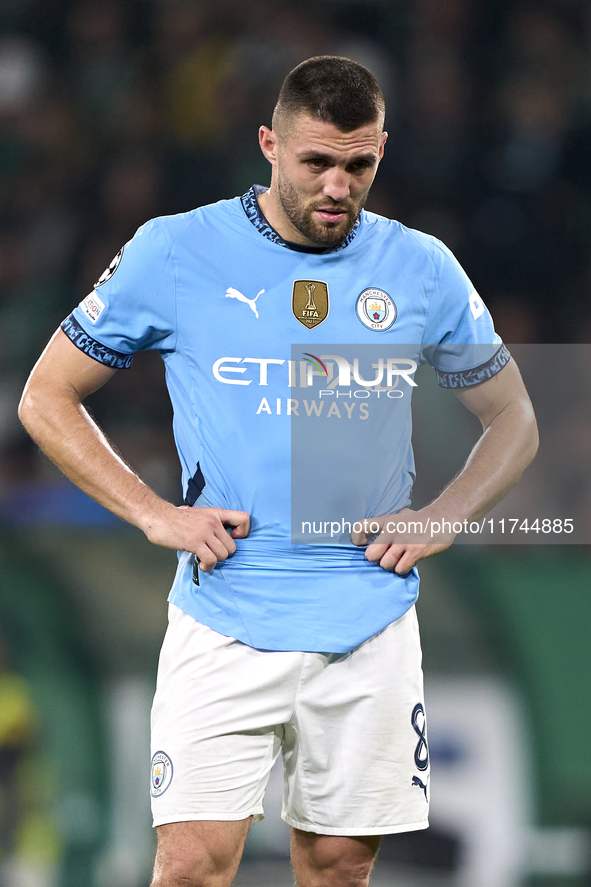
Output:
x=383 y=144
x=269 y=143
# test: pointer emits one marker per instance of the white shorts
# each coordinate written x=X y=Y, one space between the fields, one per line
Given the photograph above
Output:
x=350 y=726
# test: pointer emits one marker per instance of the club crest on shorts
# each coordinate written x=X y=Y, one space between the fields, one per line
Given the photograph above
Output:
x=309 y=302
x=161 y=775
x=375 y=309
x=108 y=272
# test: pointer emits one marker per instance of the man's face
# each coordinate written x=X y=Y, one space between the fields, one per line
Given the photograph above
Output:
x=321 y=178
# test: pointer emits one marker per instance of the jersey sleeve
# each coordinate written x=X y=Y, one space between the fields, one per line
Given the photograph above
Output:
x=132 y=305
x=460 y=341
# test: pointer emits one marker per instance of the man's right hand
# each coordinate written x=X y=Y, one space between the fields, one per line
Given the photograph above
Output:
x=202 y=531
x=52 y=411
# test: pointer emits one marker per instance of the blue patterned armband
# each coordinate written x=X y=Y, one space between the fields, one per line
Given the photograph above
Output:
x=477 y=375
x=76 y=334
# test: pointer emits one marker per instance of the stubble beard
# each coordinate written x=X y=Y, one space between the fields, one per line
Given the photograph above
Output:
x=301 y=217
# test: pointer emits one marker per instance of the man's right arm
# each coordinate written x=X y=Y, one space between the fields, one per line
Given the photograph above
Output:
x=52 y=411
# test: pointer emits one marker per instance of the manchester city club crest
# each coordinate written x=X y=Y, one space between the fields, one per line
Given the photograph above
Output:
x=162 y=771
x=375 y=309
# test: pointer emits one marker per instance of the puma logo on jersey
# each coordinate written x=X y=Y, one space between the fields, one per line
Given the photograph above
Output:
x=232 y=293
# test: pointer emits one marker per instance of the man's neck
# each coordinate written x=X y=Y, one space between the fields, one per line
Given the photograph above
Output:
x=273 y=212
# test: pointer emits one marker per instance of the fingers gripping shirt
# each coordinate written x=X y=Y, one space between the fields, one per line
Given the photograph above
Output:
x=224 y=303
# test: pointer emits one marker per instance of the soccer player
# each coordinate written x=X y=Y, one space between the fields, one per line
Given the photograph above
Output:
x=308 y=650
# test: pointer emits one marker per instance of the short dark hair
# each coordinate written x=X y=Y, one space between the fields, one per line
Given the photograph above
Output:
x=334 y=89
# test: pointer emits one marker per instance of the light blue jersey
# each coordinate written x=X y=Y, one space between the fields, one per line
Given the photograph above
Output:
x=225 y=301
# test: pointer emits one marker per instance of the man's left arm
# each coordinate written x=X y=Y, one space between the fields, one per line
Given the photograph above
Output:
x=508 y=444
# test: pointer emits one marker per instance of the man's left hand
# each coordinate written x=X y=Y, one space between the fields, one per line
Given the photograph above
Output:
x=405 y=538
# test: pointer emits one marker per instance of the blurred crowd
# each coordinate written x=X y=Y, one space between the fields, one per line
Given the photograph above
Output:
x=113 y=112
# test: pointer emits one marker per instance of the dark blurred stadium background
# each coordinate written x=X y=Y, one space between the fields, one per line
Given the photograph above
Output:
x=114 y=112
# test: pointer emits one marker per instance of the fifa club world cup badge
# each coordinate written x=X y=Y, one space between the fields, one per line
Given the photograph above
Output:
x=162 y=771
x=309 y=302
x=375 y=309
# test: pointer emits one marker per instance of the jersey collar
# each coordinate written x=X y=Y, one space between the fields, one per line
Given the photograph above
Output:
x=253 y=212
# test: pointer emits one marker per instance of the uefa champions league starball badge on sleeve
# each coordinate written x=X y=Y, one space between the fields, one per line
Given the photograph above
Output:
x=375 y=309
x=108 y=272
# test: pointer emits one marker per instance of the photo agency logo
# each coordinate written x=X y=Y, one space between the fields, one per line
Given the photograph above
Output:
x=389 y=372
x=340 y=468
x=305 y=383
x=346 y=473
x=345 y=382
x=335 y=370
